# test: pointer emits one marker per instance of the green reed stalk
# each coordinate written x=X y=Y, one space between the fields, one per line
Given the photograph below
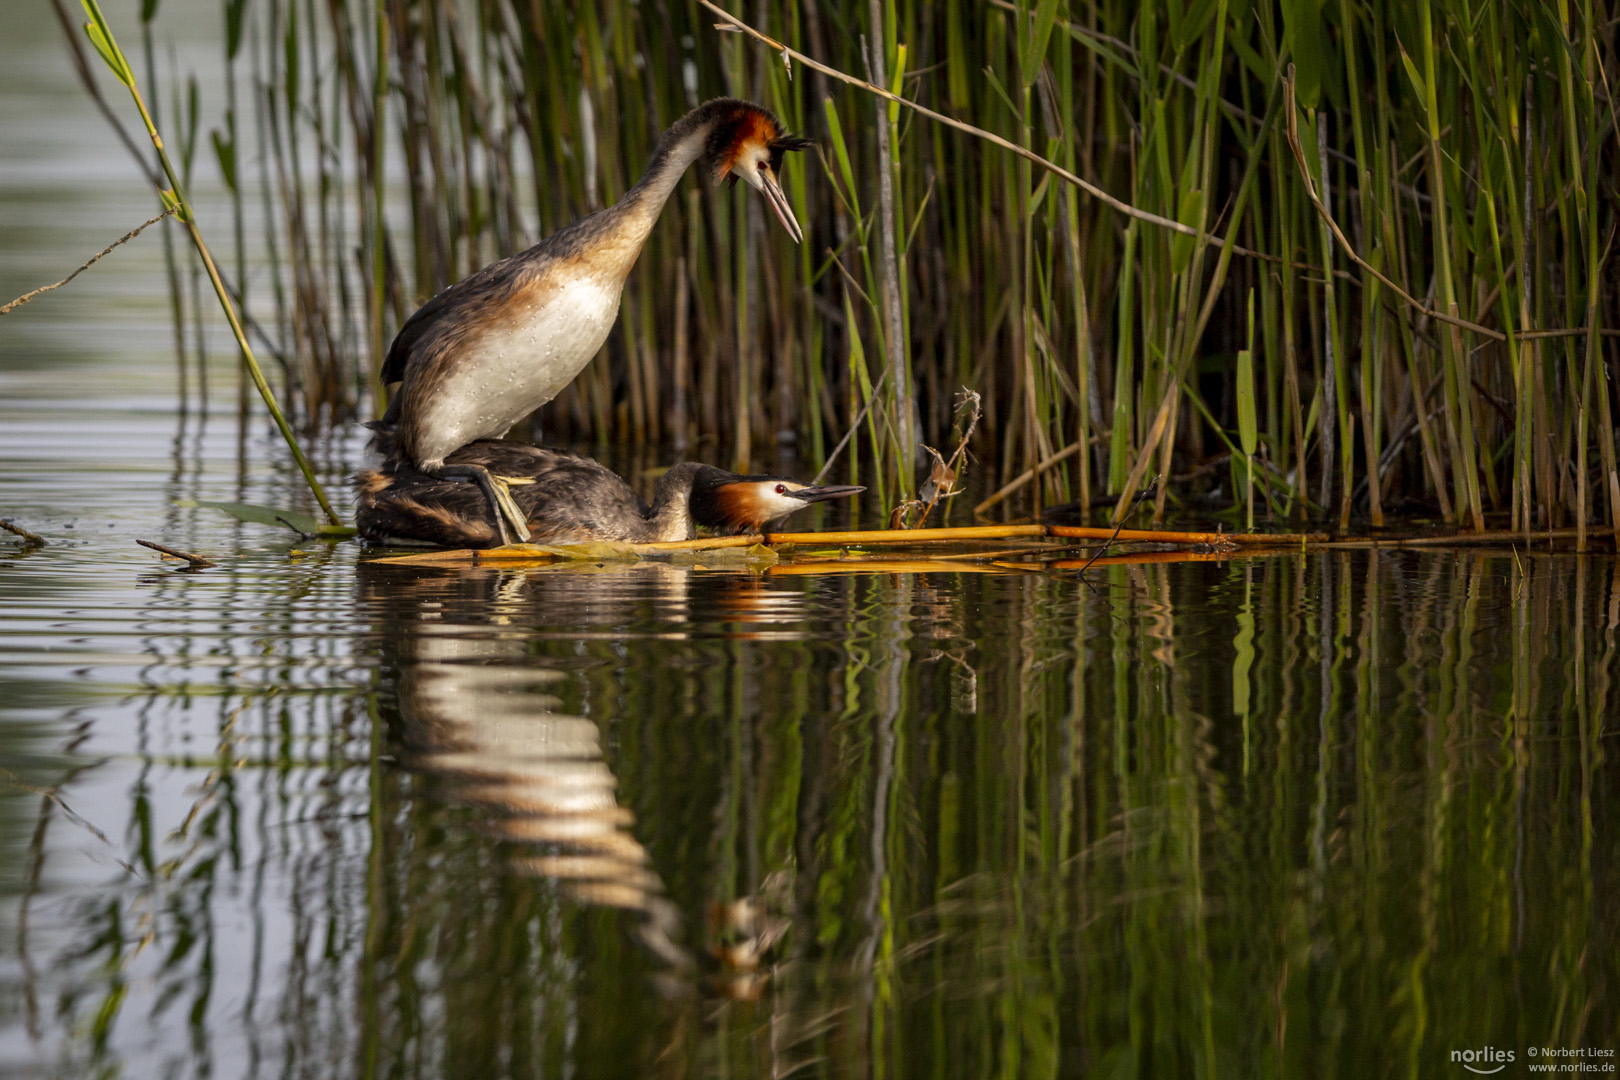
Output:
x=376 y=220
x=1338 y=430
x=101 y=36
x=171 y=263
x=892 y=291
x=1455 y=358
x=1372 y=338
x=1596 y=396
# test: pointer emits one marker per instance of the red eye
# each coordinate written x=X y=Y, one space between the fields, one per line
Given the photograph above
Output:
x=781 y=489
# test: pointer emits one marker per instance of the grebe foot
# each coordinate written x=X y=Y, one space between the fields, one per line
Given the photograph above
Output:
x=506 y=510
x=509 y=519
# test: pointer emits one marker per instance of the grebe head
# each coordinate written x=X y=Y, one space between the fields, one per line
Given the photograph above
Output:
x=749 y=143
x=728 y=503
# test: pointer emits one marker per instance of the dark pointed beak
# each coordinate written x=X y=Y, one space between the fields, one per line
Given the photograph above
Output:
x=824 y=492
x=779 y=202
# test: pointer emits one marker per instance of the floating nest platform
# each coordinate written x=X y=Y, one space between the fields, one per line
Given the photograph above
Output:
x=977 y=547
x=980 y=548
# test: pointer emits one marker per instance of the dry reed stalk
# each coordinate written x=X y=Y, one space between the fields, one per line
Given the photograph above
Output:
x=1003 y=553
x=1067 y=532
x=29 y=539
x=1469 y=539
x=907 y=536
x=193 y=562
x=1156 y=536
x=882 y=566
x=1140 y=558
x=593 y=549
x=701 y=544
x=1025 y=477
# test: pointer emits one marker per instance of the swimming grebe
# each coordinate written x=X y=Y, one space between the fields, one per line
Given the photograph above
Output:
x=567 y=498
x=490 y=349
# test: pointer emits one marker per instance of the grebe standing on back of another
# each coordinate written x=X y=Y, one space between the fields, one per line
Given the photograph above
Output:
x=493 y=347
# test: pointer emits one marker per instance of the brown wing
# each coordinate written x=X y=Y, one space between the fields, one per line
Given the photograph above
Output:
x=571 y=498
x=456 y=311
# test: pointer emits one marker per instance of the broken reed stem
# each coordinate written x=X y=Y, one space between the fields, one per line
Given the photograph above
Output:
x=929 y=565
x=1471 y=539
x=126 y=238
x=591 y=549
x=906 y=536
x=1067 y=532
x=1026 y=476
x=198 y=562
x=746 y=540
x=942 y=478
x=30 y=540
x=1140 y=557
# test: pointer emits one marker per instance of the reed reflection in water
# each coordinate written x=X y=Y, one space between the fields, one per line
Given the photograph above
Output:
x=472 y=711
x=1335 y=814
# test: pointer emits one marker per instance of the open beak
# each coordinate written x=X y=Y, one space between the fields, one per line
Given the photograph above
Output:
x=784 y=213
x=825 y=492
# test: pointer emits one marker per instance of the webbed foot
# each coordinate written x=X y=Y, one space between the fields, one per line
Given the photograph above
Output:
x=506 y=508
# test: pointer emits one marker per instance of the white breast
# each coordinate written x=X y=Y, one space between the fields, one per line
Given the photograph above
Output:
x=515 y=368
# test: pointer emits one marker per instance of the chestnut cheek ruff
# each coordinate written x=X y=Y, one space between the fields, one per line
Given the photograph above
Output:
x=747 y=126
x=737 y=510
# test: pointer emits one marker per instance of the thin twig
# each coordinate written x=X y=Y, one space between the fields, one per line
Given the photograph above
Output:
x=53 y=796
x=860 y=418
x=30 y=540
x=126 y=238
x=197 y=562
x=302 y=535
x=1292 y=129
x=1026 y=476
x=1141 y=496
x=1011 y=147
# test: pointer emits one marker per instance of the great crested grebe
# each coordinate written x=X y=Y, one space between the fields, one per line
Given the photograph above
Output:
x=567 y=498
x=493 y=347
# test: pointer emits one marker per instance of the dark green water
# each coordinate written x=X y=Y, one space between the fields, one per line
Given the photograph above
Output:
x=1331 y=815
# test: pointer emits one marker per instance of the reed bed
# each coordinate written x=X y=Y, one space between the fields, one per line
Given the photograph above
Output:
x=1376 y=285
